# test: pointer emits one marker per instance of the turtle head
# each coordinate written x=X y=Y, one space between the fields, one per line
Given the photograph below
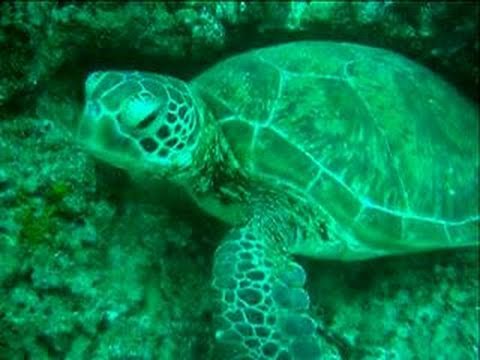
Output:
x=143 y=122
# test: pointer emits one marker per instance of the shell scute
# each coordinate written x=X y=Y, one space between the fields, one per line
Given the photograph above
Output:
x=380 y=144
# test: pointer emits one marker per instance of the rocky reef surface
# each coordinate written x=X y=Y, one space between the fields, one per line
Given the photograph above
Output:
x=95 y=266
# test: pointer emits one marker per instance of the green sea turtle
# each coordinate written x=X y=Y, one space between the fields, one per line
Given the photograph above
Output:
x=323 y=149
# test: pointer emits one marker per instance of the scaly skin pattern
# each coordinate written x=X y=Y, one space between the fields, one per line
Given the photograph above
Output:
x=296 y=147
x=263 y=306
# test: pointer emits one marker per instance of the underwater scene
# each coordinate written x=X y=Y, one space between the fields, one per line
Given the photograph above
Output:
x=196 y=180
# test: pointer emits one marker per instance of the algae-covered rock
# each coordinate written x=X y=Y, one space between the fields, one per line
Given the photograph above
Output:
x=90 y=268
x=400 y=308
x=78 y=278
x=41 y=40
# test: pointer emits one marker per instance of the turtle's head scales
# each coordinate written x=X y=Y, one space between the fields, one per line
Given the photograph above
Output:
x=141 y=122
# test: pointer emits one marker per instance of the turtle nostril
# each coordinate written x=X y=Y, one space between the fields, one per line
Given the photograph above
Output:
x=92 y=109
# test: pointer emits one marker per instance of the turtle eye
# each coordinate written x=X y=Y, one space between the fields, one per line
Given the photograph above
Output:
x=139 y=112
x=148 y=119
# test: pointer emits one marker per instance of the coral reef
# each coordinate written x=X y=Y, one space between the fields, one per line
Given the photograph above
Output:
x=40 y=40
x=92 y=267
x=78 y=279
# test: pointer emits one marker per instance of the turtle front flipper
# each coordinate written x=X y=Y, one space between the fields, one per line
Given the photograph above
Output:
x=263 y=306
